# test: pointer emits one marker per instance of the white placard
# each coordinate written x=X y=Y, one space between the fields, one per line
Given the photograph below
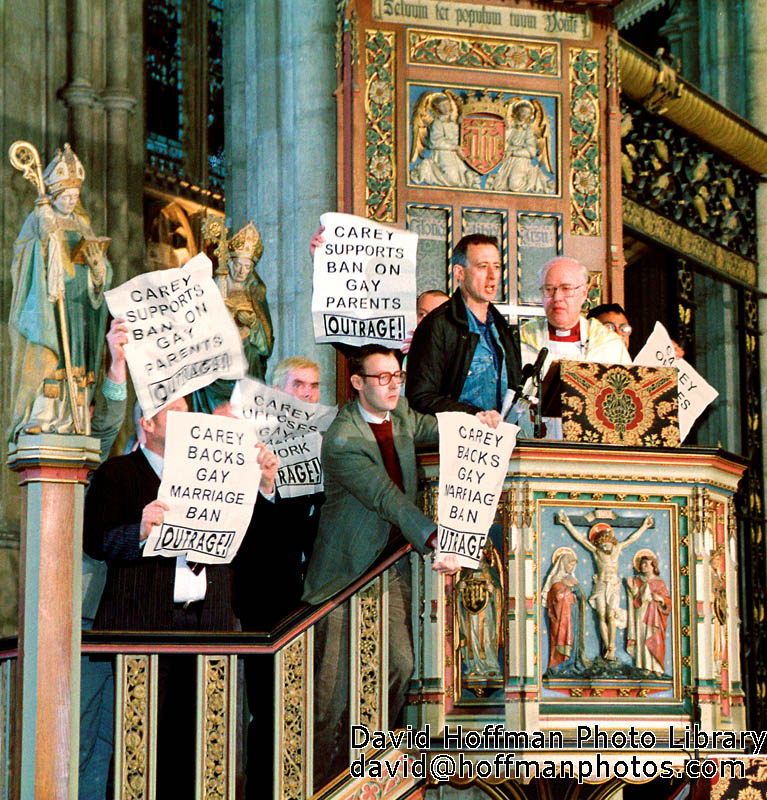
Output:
x=300 y=470
x=180 y=335
x=473 y=462
x=695 y=395
x=210 y=483
x=278 y=415
x=364 y=282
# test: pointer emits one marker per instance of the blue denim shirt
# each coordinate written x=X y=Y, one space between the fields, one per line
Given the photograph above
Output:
x=485 y=385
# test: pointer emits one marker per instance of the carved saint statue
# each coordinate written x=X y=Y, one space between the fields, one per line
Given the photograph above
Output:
x=649 y=607
x=245 y=296
x=565 y=602
x=481 y=620
x=436 y=128
x=605 y=596
x=58 y=315
x=527 y=149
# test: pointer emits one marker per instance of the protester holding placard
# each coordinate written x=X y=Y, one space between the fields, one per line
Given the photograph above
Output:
x=364 y=281
x=257 y=604
x=181 y=336
x=464 y=355
x=158 y=593
x=368 y=456
x=694 y=393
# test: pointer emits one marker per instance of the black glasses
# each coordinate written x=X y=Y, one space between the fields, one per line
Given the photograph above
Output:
x=385 y=378
x=624 y=327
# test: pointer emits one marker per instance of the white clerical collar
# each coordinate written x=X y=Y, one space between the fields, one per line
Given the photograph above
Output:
x=371 y=418
x=155 y=462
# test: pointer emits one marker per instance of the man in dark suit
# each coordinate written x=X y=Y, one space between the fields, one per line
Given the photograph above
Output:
x=257 y=603
x=159 y=593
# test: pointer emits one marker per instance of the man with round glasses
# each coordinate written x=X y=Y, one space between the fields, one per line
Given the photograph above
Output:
x=614 y=318
x=564 y=330
x=368 y=459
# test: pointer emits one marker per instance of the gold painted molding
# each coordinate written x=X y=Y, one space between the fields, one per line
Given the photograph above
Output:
x=650 y=82
x=685 y=241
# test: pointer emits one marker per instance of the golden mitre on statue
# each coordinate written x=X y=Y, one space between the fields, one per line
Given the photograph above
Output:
x=246 y=242
x=65 y=171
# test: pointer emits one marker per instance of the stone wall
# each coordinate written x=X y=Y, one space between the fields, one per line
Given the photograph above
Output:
x=68 y=72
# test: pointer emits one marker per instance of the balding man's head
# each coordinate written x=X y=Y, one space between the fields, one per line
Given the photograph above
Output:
x=564 y=285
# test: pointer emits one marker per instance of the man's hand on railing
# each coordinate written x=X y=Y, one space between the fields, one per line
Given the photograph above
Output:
x=446 y=563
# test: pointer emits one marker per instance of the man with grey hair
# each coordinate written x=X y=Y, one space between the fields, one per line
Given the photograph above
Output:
x=258 y=606
x=565 y=331
x=298 y=376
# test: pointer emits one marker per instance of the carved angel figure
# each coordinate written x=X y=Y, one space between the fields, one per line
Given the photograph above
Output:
x=435 y=127
x=526 y=165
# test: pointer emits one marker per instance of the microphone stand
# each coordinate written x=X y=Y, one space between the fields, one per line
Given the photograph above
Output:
x=538 y=421
x=537 y=382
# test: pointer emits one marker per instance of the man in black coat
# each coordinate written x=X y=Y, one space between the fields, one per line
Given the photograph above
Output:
x=160 y=593
x=464 y=354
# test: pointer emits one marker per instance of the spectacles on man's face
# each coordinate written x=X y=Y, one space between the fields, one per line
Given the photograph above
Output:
x=623 y=328
x=566 y=289
x=385 y=378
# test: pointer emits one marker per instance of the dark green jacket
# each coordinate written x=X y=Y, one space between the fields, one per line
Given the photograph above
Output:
x=362 y=503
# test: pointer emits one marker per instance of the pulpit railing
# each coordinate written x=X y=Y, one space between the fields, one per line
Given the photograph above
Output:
x=219 y=696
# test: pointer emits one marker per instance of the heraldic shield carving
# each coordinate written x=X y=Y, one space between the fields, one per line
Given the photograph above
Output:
x=482 y=140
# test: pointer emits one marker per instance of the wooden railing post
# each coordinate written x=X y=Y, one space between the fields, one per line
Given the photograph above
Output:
x=294 y=716
x=53 y=470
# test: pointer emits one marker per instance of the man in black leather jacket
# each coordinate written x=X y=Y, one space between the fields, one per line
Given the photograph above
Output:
x=464 y=354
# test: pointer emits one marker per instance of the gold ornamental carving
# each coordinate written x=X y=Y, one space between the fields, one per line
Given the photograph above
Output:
x=380 y=121
x=456 y=51
x=680 y=238
x=692 y=110
x=293 y=751
x=370 y=655
x=216 y=743
x=585 y=190
x=132 y=748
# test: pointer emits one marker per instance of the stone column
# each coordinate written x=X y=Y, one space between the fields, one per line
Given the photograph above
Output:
x=53 y=470
x=119 y=103
x=79 y=94
x=279 y=72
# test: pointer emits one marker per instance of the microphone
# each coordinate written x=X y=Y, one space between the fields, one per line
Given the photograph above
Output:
x=539 y=362
x=527 y=372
